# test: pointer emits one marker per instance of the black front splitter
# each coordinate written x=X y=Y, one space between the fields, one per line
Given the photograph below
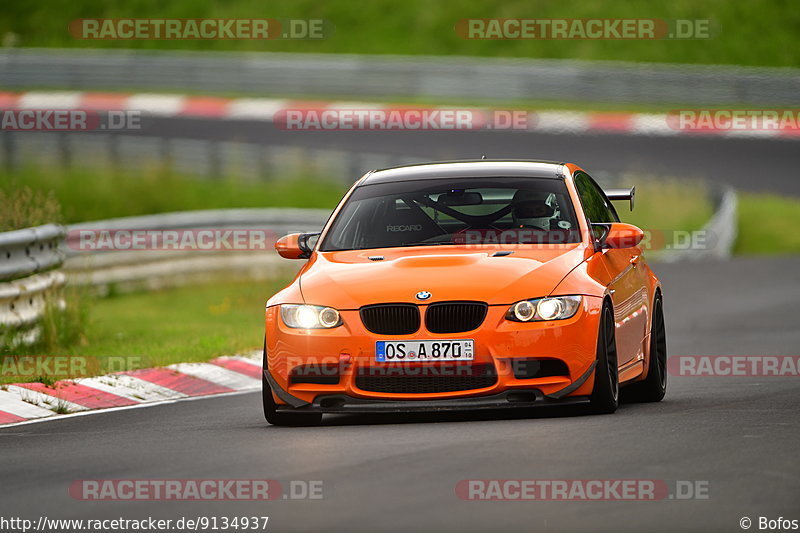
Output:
x=341 y=403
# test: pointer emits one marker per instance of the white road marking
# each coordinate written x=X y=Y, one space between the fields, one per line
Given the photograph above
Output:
x=217 y=374
x=44 y=401
x=130 y=387
x=255 y=108
x=122 y=408
x=49 y=100
x=12 y=403
x=156 y=104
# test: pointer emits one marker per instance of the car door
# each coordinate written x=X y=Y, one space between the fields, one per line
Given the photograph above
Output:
x=627 y=287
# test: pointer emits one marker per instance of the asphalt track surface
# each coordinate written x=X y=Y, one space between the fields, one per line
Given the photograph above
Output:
x=751 y=164
x=398 y=473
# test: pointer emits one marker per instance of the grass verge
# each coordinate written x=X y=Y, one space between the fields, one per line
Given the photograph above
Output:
x=85 y=196
x=424 y=27
x=24 y=207
x=667 y=204
x=179 y=325
x=144 y=330
x=768 y=224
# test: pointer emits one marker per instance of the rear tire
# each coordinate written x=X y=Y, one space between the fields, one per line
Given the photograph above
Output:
x=654 y=387
x=605 y=394
x=282 y=418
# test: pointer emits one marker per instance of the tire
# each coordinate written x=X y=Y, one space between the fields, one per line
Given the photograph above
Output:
x=282 y=418
x=654 y=386
x=605 y=394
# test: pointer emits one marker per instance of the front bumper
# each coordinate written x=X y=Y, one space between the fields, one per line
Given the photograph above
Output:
x=499 y=343
x=341 y=403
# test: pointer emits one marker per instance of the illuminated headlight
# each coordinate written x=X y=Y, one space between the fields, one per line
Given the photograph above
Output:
x=537 y=310
x=310 y=316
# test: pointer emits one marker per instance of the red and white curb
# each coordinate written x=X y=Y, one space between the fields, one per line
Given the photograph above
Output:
x=25 y=402
x=172 y=105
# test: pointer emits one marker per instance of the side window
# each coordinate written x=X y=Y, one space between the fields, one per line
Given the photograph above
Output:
x=595 y=204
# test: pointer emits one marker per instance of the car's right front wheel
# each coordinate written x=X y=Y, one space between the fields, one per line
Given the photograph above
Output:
x=654 y=386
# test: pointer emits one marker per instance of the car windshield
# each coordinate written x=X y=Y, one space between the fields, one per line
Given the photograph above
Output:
x=455 y=211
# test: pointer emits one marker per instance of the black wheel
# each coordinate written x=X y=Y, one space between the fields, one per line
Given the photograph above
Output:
x=282 y=418
x=605 y=394
x=654 y=387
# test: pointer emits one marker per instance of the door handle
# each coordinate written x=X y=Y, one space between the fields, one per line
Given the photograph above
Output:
x=635 y=259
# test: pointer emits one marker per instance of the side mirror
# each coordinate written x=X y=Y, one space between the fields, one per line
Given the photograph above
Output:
x=296 y=245
x=621 y=235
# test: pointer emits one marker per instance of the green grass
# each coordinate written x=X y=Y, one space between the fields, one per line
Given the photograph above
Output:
x=178 y=325
x=750 y=33
x=24 y=207
x=85 y=196
x=667 y=205
x=768 y=224
x=188 y=324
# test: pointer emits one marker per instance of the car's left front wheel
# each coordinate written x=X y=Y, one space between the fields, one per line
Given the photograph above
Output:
x=605 y=394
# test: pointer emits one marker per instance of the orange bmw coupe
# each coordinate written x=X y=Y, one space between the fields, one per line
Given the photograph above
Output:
x=466 y=285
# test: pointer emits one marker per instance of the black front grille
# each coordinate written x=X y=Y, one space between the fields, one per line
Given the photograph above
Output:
x=421 y=380
x=391 y=319
x=455 y=317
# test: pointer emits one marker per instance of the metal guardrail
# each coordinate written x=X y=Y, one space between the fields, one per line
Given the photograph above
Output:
x=719 y=233
x=124 y=270
x=29 y=257
x=28 y=281
x=24 y=301
x=385 y=76
x=29 y=251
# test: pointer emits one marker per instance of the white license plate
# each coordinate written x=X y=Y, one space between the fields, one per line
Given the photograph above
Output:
x=443 y=350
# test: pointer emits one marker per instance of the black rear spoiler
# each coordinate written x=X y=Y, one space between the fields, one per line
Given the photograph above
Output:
x=621 y=194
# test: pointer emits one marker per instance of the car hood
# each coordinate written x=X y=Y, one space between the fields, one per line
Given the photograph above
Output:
x=350 y=279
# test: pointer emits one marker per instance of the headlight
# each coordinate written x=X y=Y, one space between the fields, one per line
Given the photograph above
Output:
x=310 y=316
x=539 y=309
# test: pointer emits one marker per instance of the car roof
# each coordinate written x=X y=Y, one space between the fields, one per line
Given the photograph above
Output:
x=478 y=168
